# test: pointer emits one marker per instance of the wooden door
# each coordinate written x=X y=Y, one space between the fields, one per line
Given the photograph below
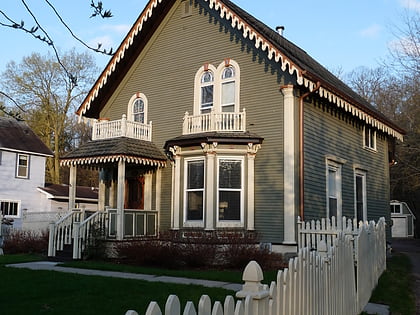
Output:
x=134 y=193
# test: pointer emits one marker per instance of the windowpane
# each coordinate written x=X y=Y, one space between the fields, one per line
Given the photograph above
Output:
x=195 y=205
x=359 y=197
x=206 y=96
x=9 y=208
x=195 y=175
x=332 y=185
x=230 y=174
x=230 y=205
x=228 y=72
x=22 y=167
x=207 y=77
x=228 y=93
x=333 y=207
x=138 y=110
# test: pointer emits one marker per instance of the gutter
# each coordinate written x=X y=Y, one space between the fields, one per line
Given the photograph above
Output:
x=301 y=149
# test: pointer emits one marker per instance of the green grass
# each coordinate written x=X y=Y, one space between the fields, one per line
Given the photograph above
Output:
x=25 y=291
x=395 y=287
x=231 y=276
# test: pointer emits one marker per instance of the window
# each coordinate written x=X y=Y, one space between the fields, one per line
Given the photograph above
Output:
x=9 y=208
x=230 y=193
x=396 y=208
x=22 y=166
x=333 y=190
x=194 y=190
x=360 y=195
x=206 y=103
x=228 y=90
x=137 y=108
x=217 y=88
x=369 y=138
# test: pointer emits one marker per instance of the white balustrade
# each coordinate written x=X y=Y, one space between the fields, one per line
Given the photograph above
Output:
x=214 y=121
x=121 y=128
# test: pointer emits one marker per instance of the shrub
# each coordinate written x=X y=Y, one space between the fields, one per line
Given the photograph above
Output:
x=26 y=242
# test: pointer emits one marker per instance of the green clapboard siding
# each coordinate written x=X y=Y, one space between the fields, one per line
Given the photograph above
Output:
x=327 y=133
x=165 y=72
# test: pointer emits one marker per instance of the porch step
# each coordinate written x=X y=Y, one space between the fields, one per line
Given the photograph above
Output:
x=63 y=255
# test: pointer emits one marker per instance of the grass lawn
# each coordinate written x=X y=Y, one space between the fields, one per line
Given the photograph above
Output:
x=395 y=286
x=231 y=276
x=47 y=292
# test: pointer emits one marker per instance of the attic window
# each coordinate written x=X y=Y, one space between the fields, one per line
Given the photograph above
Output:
x=186 y=8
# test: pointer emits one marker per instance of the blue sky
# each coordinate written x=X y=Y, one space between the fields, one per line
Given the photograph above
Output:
x=340 y=34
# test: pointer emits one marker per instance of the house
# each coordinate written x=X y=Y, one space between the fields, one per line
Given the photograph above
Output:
x=402 y=219
x=249 y=132
x=22 y=169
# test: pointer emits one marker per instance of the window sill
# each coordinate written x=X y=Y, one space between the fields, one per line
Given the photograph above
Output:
x=373 y=150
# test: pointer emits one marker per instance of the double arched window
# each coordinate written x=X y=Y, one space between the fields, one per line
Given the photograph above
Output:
x=217 y=89
x=137 y=108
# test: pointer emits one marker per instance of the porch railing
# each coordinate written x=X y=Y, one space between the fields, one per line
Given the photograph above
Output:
x=214 y=121
x=86 y=232
x=61 y=232
x=122 y=128
x=137 y=223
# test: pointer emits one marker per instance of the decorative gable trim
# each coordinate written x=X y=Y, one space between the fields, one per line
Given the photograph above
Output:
x=111 y=159
x=303 y=77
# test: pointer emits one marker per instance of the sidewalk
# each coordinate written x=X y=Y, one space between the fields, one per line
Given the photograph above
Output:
x=53 y=266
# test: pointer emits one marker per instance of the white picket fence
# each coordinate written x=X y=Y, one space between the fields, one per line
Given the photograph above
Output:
x=333 y=279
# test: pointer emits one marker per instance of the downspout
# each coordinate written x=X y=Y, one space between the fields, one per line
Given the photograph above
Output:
x=301 y=148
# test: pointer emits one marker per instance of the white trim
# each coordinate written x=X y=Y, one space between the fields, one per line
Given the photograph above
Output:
x=209 y=191
x=363 y=174
x=130 y=106
x=217 y=85
x=289 y=165
x=18 y=208
x=176 y=183
x=370 y=146
x=250 y=224
x=230 y=223
x=194 y=223
x=18 y=155
x=337 y=168
x=148 y=182
x=25 y=152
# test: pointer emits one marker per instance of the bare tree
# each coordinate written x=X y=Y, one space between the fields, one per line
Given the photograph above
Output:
x=47 y=96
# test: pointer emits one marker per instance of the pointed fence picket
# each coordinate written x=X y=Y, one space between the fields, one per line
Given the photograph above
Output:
x=316 y=282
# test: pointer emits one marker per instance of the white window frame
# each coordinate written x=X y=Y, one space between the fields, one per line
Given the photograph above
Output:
x=337 y=168
x=130 y=113
x=18 y=202
x=28 y=159
x=231 y=223
x=363 y=175
x=194 y=223
x=217 y=85
x=370 y=134
x=399 y=206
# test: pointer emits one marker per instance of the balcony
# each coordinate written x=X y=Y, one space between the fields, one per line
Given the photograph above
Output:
x=214 y=121
x=121 y=128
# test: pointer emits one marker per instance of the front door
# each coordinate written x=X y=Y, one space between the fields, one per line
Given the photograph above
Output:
x=134 y=193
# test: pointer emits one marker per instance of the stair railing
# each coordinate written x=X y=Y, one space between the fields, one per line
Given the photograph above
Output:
x=61 y=232
x=85 y=233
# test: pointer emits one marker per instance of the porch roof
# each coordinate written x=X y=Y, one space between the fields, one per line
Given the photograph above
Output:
x=116 y=149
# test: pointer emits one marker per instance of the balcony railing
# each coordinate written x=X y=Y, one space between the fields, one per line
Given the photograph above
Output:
x=214 y=121
x=122 y=128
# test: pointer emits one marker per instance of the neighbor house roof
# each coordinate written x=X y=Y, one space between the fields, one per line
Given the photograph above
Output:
x=309 y=73
x=16 y=135
x=61 y=191
x=115 y=149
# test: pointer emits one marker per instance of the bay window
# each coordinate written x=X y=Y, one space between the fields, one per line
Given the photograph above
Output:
x=194 y=190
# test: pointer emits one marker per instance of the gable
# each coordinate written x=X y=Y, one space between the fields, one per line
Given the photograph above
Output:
x=307 y=72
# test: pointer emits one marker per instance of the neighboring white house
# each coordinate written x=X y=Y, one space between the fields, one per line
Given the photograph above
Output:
x=22 y=169
x=402 y=219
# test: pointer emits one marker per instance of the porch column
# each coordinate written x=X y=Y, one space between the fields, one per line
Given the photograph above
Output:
x=72 y=186
x=158 y=195
x=210 y=208
x=120 y=199
x=102 y=190
x=289 y=166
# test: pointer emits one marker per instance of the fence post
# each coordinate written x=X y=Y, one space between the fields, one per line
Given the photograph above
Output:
x=51 y=239
x=76 y=240
x=253 y=288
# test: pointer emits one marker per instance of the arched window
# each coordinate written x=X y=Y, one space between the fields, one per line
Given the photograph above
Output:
x=137 y=108
x=227 y=103
x=207 y=89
